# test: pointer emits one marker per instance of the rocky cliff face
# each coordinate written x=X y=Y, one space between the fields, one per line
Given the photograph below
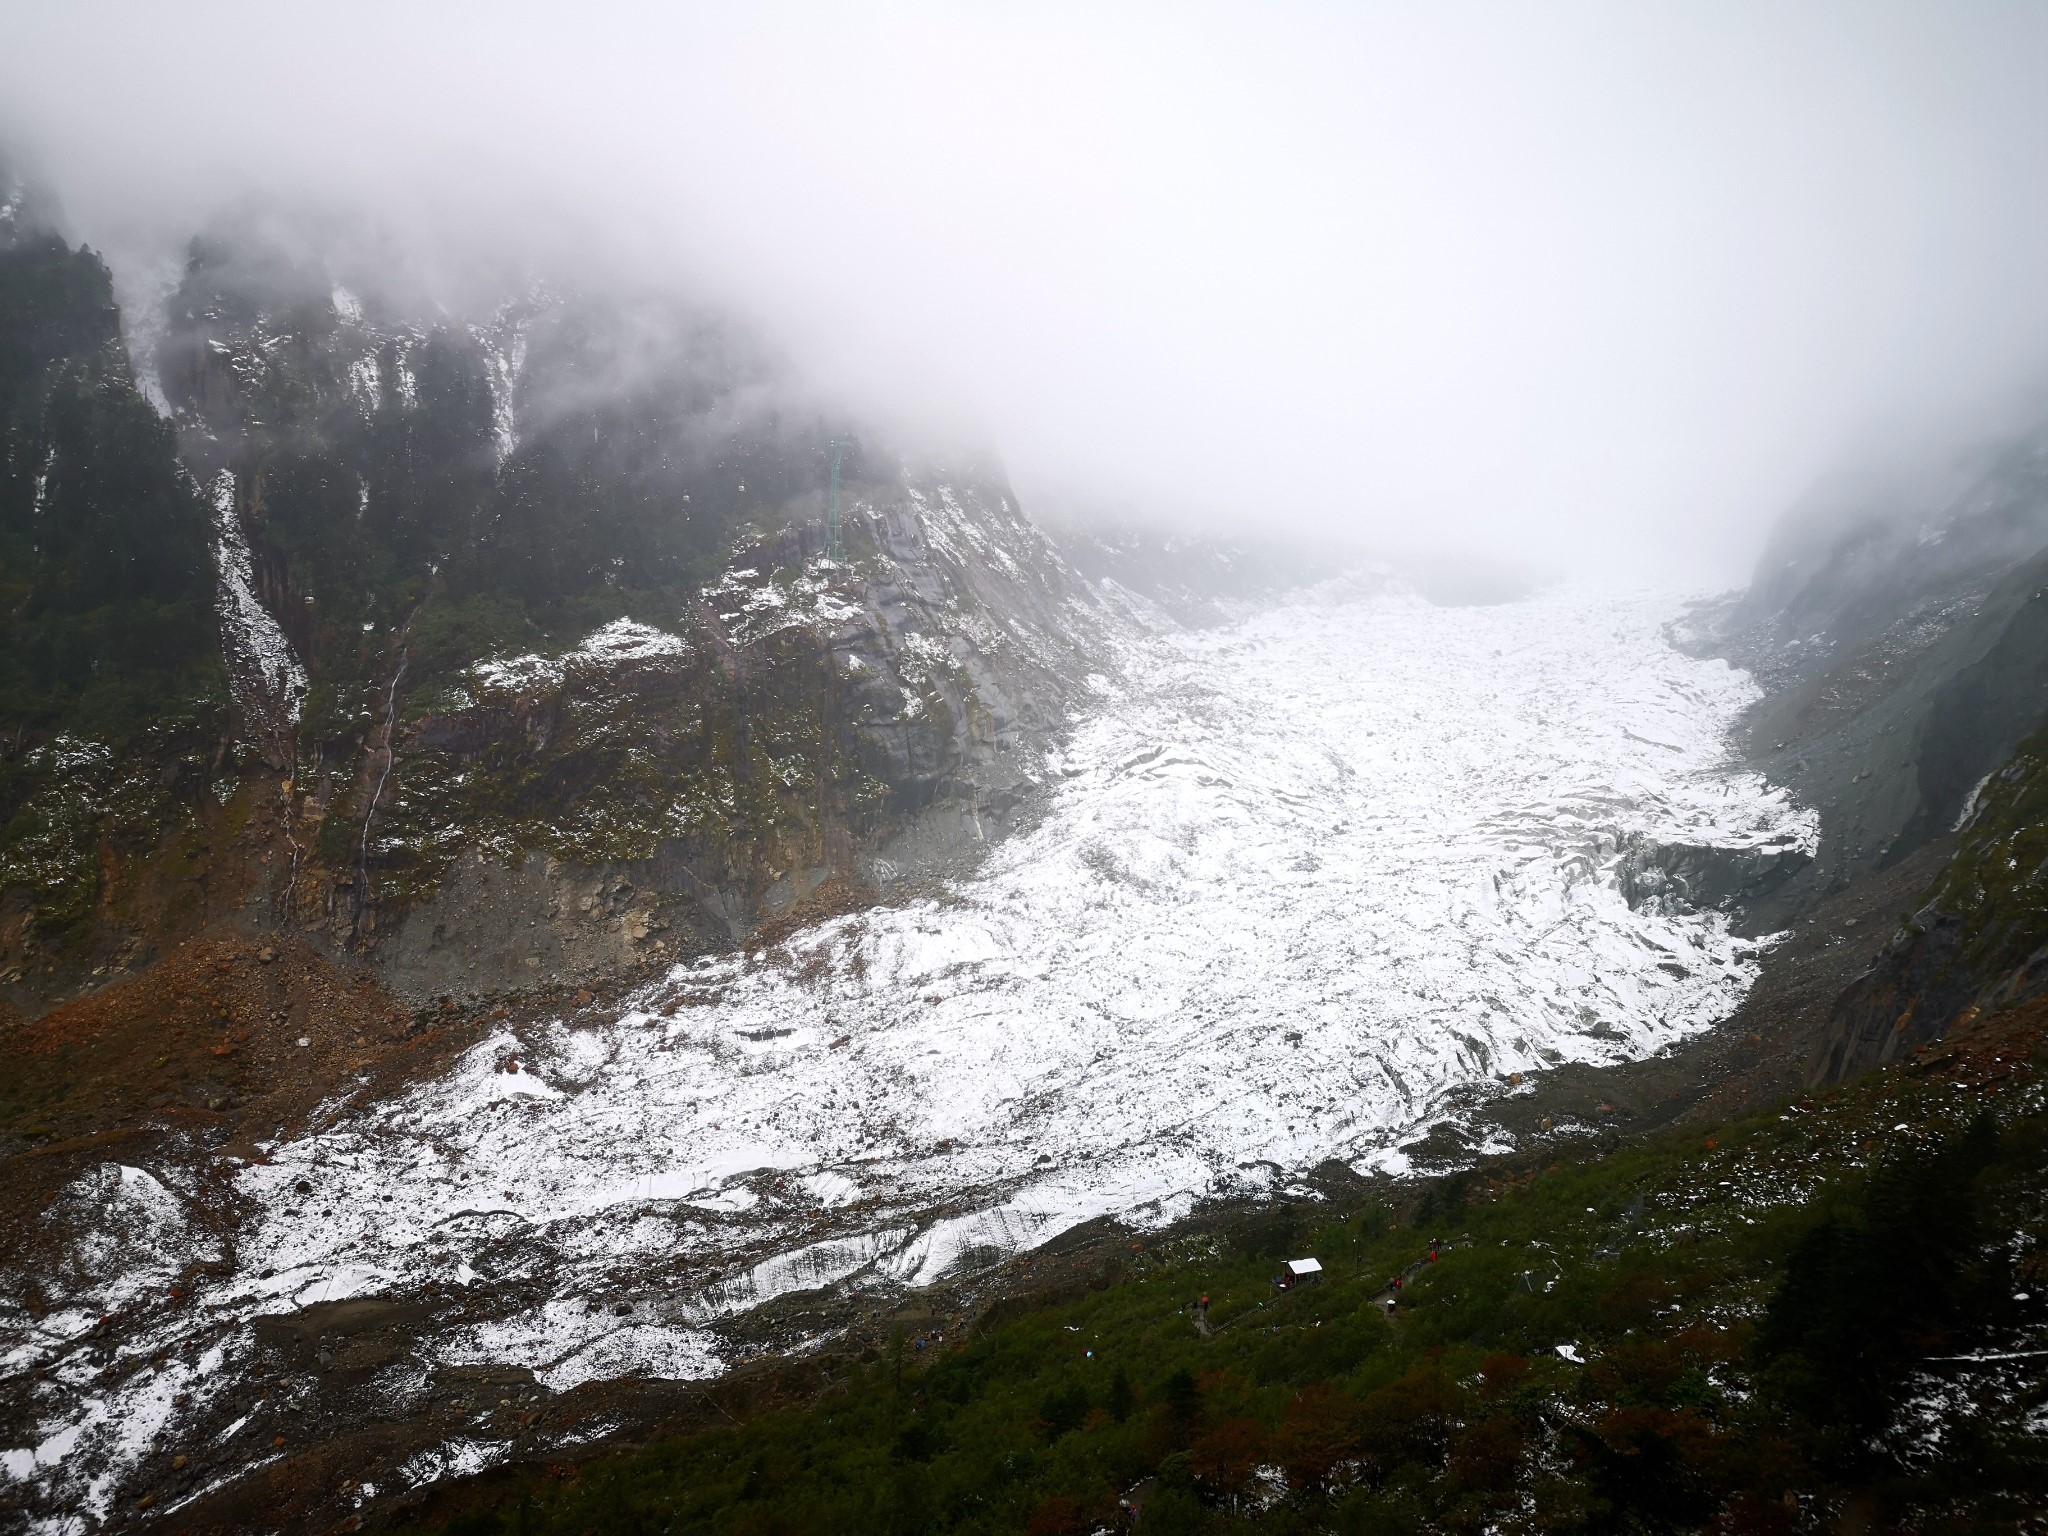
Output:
x=112 y=697
x=1977 y=944
x=817 y=734
x=1903 y=632
x=1906 y=649
x=527 y=660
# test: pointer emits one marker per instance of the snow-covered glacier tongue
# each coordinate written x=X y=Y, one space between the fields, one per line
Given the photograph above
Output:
x=1298 y=880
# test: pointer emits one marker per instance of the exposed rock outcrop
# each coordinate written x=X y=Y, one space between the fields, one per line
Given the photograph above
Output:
x=819 y=732
x=1902 y=628
x=1904 y=637
x=1977 y=945
x=529 y=662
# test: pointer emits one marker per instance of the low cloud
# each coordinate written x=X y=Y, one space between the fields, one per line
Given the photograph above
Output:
x=1593 y=286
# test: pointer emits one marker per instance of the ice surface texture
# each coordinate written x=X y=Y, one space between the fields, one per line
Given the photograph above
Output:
x=1297 y=880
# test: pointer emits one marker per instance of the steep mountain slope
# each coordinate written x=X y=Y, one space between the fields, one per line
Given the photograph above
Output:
x=536 y=667
x=102 y=543
x=1904 y=638
x=518 y=658
x=1903 y=631
x=111 y=689
x=1977 y=945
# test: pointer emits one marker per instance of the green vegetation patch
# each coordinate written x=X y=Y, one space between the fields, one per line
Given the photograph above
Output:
x=1997 y=884
x=110 y=672
x=1752 y=1328
x=106 y=574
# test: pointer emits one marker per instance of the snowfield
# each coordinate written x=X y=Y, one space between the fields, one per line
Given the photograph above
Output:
x=1297 y=881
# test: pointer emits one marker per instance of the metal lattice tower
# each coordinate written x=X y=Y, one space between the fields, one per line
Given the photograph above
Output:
x=835 y=549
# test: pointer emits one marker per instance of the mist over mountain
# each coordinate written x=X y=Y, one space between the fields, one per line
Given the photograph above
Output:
x=1607 y=289
x=1161 y=769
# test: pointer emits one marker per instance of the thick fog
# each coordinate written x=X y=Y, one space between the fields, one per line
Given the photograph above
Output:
x=1585 y=285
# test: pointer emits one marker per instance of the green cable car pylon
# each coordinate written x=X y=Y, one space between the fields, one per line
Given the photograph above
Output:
x=835 y=549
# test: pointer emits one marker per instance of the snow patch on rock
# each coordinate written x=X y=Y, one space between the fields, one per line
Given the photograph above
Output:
x=620 y=642
x=270 y=685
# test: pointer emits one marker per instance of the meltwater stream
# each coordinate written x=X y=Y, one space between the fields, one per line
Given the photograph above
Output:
x=1297 y=881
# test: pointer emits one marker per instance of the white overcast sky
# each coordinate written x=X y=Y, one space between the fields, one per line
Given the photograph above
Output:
x=1596 y=285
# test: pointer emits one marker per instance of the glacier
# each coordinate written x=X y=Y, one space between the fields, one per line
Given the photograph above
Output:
x=1298 y=880
x=1300 y=885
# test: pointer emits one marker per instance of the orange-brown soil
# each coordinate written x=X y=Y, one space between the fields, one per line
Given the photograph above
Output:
x=210 y=1035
